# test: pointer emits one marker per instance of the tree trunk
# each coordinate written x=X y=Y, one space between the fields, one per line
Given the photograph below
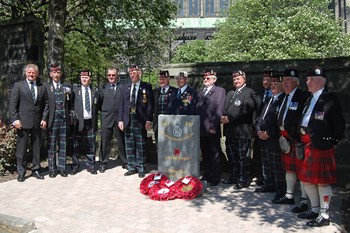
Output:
x=57 y=20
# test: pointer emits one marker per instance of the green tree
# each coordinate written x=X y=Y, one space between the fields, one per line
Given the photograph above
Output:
x=278 y=29
x=194 y=51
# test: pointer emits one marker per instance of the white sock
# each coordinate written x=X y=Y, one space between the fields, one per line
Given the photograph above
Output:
x=291 y=179
x=325 y=193
x=303 y=194
x=312 y=192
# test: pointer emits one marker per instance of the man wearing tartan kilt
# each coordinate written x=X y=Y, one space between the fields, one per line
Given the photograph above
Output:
x=268 y=135
x=239 y=108
x=322 y=127
x=85 y=100
x=57 y=107
x=164 y=96
x=287 y=120
x=135 y=118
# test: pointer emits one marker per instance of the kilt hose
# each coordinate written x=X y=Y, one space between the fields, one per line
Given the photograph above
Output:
x=85 y=138
x=238 y=153
x=135 y=145
x=57 y=136
x=274 y=175
x=319 y=166
x=290 y=162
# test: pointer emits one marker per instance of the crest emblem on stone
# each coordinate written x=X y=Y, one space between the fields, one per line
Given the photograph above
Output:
x=177 y=131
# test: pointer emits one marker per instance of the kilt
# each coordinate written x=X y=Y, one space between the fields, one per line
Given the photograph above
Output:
x=57 y=135
x=289 y=160
x=319 y=166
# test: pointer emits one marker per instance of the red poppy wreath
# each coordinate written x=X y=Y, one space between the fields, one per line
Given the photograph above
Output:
x=187 y=188
x=162 y=191
x=149 y=181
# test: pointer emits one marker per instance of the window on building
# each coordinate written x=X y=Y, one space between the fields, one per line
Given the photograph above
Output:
x=193 y=8
x=209 y=8
x=180 y=5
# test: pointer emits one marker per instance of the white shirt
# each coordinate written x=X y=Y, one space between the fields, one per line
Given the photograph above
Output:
x=290 y=97
x=137 y=86
x=307 y=115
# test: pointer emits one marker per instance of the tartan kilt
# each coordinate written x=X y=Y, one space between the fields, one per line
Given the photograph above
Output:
x=289 y=160
x=319 y=166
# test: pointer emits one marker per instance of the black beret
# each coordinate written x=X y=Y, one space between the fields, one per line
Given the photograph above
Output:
x=317 y=71
x=291 y=73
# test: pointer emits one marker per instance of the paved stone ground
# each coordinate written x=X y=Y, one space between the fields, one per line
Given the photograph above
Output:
x=112 y=203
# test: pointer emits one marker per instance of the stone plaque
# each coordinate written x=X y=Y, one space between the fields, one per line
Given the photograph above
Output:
x=178 y=145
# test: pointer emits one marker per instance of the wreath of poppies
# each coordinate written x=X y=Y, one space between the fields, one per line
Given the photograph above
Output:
x=159 y=187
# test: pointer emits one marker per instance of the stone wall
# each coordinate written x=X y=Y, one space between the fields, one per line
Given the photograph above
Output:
x=338 y=81
x=21 y=42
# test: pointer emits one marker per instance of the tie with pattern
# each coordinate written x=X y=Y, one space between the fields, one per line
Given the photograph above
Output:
x=283 y=109
x=163 y=90
x=87 y=100
x=133 y=96
x=32 y=90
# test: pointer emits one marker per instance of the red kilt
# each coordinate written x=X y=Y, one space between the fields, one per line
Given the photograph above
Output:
x=289 y=161
x=319 y=166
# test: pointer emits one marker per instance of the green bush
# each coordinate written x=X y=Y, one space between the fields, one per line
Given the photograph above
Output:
x=7 y=148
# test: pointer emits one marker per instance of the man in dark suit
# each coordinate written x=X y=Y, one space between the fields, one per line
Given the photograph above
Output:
x=26 y=108
x=322 y=127
x=268 y=135
x=210 y=108
x=164 y=96
x=262 y=98
x=109 y=105
x=239 y=108
x=186 y=98
x=288 y=120
x=57 y=107
x=85 y=100
x=135 y=117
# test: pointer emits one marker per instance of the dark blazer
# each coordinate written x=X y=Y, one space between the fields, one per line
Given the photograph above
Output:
x=50 y=104
x=292 y=119
x=144 y=104
x=210 y=108
x=185 y=104
x=239 y=108
x=269 y=123
x=77 y=98
x=327 y=122
x=172 y=92
x=109 y=104
x=22 y=106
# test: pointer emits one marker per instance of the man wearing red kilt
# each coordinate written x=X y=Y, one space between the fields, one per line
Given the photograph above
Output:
x=322 y=127
x=288 y=121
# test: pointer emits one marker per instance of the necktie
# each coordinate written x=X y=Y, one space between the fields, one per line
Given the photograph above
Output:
x=113 y=87
x=268 y=106
x=178 y=93
x=307 y=105
x=205 y=91
x=267 y=96
x=283 y=109
x=87 y=100
x=32 y=90
x=57 y=87
x=133 y=96
x=163 y=90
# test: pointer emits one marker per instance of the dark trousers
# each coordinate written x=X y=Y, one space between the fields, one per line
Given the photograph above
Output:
x=23 y=136
x=135 y=144
x=57 y=135
x=106 y=142
x=274 y=175
x=255 y=165
x=211 y=149
x=86 y=138
x=238 y=153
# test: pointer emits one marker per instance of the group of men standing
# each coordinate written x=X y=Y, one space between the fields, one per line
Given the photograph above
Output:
x=295 y=131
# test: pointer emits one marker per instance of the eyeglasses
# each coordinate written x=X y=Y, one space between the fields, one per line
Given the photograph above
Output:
x=111 y=75
x=206 y=78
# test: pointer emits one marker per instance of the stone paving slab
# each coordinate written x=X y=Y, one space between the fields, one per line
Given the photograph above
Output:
x=111 y=202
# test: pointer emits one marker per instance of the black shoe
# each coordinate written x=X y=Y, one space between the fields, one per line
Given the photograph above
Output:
x=230 y=181
x=130 y=172
x=319 y=222
x=102 y=169
x=259 y=182
x=239 y=186
x=308 y=215
x=75 y=169
x=283 y=200
x=63 y=173
x=300 y=208
x=37 y=175
x=92 y=171
x=141 y=174
x=214 y=183
x=125 y=166
x=52 y=174
x=265 y=189
x=20 y=178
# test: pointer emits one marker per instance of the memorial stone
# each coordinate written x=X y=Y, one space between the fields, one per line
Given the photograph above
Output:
x=178 y=146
